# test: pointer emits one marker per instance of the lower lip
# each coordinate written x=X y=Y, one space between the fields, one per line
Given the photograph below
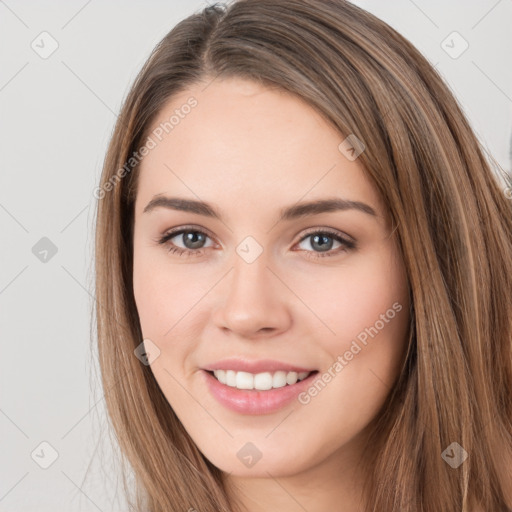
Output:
x=255 y=401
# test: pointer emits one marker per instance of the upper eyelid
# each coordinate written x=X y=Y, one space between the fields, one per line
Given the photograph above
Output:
x=178 y=231
x=308 y=232
x=330 y=231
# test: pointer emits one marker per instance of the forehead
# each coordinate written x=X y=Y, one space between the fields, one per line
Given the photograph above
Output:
x=242 y=141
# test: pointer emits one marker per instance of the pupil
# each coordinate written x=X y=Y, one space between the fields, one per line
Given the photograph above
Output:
x=194 y=238
x=323 y=242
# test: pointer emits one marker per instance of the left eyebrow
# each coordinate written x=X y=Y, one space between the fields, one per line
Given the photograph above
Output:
x=286 y=214
x=324 y=206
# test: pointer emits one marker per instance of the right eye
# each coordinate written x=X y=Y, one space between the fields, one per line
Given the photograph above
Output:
x=189 y=236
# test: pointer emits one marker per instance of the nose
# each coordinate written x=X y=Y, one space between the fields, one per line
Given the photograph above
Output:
x=253 y=301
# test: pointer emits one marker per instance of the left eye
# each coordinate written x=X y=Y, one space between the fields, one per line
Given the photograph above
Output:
x=322 y=239
x=193 y=240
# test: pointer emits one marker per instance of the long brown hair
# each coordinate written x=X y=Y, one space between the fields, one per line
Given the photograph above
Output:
x=454 y=225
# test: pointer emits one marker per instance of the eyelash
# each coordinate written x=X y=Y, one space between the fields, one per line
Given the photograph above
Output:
x=348 y=244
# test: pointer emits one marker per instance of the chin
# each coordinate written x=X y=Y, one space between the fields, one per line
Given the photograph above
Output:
x=242 y=466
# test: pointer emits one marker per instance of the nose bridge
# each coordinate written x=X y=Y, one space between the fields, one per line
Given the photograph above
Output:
x=251 y=298
x=250 y=277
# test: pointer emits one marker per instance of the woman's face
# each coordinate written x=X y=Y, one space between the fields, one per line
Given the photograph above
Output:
x=272 y=280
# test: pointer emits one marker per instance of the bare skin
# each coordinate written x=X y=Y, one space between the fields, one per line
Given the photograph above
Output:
x=251 y=151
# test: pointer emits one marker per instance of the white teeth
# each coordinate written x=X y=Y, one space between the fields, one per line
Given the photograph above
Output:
x=280 y=379
x=244 y=380
x=260 y=381
x=230 y=378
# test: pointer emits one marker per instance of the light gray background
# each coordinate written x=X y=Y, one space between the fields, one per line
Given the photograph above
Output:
x=56 y=118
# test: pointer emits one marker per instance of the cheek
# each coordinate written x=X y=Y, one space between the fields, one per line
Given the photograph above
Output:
x=159 y=296
x=355 y=297
x=367 y=306
x=167 y=296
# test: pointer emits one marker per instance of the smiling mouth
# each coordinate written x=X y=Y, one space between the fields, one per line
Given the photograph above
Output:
x=263 y=381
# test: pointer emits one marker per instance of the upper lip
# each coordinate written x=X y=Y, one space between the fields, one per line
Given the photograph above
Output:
x=259 y=366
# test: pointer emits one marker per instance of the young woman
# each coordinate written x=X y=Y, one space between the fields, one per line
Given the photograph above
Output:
x=304 y=273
